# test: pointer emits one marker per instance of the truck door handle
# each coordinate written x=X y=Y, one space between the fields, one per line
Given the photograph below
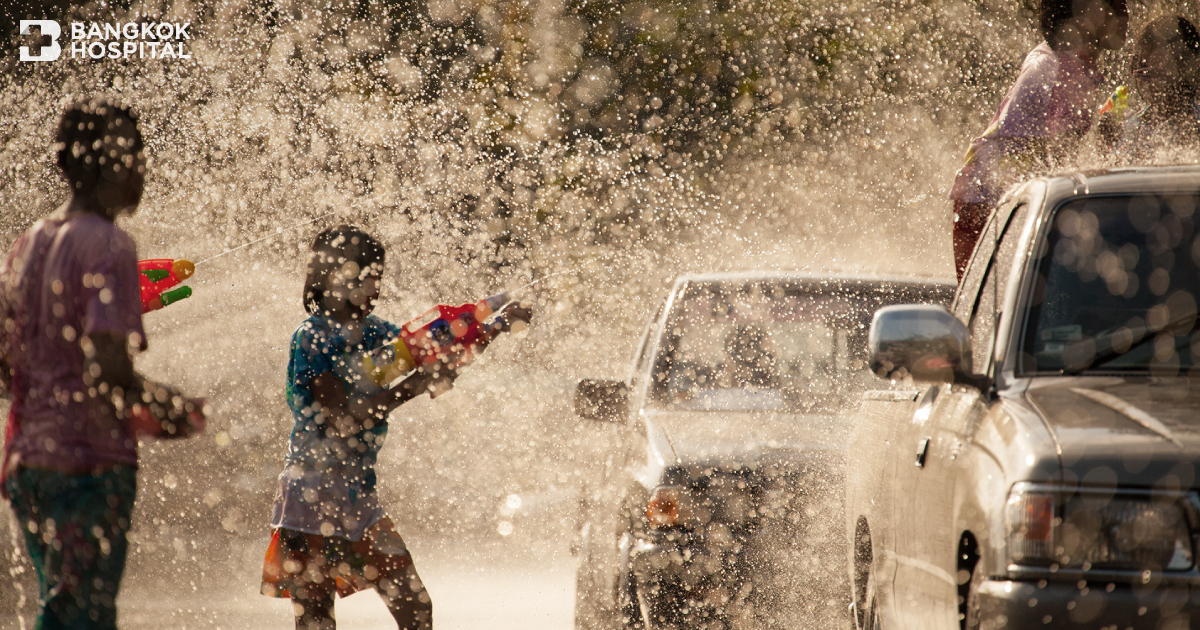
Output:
x=922 y=450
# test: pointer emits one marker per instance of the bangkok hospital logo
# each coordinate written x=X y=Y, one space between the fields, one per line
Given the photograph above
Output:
x=103 y=40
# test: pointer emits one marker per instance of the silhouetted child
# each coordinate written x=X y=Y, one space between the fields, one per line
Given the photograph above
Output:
x=330 y=532
x=69 y=313
x=1166 y=76
x=1043 y=115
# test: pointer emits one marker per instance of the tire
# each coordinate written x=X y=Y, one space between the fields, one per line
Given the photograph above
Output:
x=973 y=617
x=871 y=617
x=599 y=613
x=631 y=609
x=865 y=611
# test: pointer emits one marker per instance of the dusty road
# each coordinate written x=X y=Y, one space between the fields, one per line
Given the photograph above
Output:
x=467 y=596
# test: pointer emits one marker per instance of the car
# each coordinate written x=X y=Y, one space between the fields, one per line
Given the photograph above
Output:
x=1033 y=462
x=722 y=484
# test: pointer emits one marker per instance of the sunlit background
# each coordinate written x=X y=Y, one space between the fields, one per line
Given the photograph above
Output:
x=603 y=145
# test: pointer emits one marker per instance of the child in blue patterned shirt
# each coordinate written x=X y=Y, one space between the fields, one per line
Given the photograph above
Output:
x=330 y=532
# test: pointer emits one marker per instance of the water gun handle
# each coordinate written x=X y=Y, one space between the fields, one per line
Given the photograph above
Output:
x=1117 y=102
x=393 y=363
x=157 y=277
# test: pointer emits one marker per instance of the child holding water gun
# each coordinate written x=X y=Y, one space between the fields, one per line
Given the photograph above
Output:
x=330 y=533
x=70 y=312
x=1043 y=115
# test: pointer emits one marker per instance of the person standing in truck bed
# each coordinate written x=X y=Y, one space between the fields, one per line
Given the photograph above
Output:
x=1043 y=115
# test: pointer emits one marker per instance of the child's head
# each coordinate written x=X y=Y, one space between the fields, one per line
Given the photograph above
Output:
x=1165 y=63
x=344 y=269
x=1084 y=25
x=100 y=151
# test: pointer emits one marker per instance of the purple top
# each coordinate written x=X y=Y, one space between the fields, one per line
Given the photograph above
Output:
x=1052 y=98
x=71 y=274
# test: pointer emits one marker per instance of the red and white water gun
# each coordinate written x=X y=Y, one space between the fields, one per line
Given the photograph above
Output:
x=449 y=335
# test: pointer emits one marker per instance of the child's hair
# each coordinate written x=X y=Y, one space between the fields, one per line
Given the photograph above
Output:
x=330 y=252
x=1053 y=14
x=98 y=141
x=1180 y=37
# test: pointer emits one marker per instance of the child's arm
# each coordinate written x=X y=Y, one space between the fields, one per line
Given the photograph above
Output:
x=511 y=314
x=348 y=417
x=109 y=369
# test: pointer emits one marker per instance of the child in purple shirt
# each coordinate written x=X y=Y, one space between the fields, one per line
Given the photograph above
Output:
x=1043 y=115
x=69 y=313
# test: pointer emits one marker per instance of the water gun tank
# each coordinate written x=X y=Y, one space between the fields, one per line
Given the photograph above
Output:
x=158 y=275
x=449 y=334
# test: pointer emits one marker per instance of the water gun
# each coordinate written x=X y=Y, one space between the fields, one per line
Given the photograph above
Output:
x=159 y=275
x=451 y=335
x=1117 y=102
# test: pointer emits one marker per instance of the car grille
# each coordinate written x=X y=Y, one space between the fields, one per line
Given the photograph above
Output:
x=756 y=536
x=747 y=500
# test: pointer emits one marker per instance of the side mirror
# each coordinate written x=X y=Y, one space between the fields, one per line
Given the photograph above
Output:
x=923 y=341
x=605 y=401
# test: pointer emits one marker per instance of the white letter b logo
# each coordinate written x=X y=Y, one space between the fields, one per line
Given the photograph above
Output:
x=49 y=29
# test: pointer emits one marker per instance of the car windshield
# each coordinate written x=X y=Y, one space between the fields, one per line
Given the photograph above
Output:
x=767 y=346
x=1117 y=287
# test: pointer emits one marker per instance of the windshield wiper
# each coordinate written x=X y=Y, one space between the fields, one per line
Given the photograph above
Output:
x=1113 y=353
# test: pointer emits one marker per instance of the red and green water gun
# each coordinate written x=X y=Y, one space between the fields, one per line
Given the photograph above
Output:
x=158 y=275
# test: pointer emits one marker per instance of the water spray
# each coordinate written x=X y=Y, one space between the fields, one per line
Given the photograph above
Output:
x=277 y=232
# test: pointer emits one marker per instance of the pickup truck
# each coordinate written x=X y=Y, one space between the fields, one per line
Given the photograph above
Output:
x=722 y=487
x=1034 y=462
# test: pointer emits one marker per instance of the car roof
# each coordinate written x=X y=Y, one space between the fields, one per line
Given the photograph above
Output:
x=814 y=278
x=1131 y=179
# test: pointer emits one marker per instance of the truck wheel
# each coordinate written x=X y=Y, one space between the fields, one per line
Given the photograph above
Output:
x=865 y=617
x=631 y=609
x=973 y=617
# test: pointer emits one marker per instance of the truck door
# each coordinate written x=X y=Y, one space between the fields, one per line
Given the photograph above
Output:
x=871 y=488
x=942 y=429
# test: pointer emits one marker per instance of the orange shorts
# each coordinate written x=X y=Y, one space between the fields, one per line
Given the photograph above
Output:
x=296 y=560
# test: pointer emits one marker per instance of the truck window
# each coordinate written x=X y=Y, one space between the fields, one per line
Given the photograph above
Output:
x=991 y=294
x=646 y=347
x=767 y=345
x=1117 y=288
x=985 y=281
x=967 y=297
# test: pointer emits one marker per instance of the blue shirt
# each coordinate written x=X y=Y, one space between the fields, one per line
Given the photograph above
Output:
x=328 y=483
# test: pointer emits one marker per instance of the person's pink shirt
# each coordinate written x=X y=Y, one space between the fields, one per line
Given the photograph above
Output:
x=1053 y=97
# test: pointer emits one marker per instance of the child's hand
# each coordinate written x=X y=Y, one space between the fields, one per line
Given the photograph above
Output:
x=195 y=414
x=516 y=317
x=436 y=378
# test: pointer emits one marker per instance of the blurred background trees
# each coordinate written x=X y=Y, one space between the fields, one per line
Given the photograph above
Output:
x=534 y=101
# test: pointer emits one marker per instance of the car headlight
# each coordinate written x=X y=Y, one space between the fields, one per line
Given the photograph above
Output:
x=1100 y=529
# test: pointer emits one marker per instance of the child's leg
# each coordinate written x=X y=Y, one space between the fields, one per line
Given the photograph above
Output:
x=313 y=607
x=407 y=600
x=969 y=219
x=75 y=529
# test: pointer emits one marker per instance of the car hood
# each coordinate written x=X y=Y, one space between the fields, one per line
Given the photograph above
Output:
x=744 y=437
x=1132 y=431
